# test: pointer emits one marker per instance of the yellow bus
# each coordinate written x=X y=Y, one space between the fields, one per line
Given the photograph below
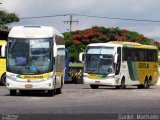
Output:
x=120 y=64
x=2 y=62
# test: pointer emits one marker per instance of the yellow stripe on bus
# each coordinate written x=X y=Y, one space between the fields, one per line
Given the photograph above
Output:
x=35 y=77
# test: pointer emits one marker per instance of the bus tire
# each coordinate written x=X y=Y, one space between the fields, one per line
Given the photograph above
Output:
x=146 y=83
x=123 y=86
x=94 y=86
x=3 y=80
x=59 y=90
x=13 y=92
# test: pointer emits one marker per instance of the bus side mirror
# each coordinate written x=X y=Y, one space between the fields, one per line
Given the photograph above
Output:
x=115 y=58
x=3 y=50
x=55 y=50
x=81 y=57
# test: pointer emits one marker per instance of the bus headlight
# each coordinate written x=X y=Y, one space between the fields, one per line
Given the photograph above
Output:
x=11 y=78
x=51 y=77
x=85 y=76
x=111 y=76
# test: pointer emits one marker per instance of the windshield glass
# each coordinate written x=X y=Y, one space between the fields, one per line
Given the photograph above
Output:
x=100 y=50
x=99 y=60
x=29 y=56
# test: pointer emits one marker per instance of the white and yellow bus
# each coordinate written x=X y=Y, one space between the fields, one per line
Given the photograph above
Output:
x=2 y=62
x=31 y=60
x=120 y=64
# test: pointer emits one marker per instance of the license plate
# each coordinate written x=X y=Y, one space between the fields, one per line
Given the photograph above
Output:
x=28 y=86
x=97 y=82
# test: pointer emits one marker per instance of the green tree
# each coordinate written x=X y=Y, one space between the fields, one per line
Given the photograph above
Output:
x=7 y=18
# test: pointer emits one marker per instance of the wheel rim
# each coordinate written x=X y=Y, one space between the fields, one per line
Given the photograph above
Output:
x=123 y=84
x=4 y=80
x=146 y=84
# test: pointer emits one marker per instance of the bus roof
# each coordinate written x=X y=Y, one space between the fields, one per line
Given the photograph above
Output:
x=134 y=45
x=105 y=44
x=33 y=32
x=122 y=43
x=2 y=42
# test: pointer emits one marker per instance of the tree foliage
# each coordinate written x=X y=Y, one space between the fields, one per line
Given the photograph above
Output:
x=6 y=18
x=77 y=41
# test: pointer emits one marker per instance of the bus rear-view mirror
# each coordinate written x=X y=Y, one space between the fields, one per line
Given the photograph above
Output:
x=81 y=57
x=115 y=58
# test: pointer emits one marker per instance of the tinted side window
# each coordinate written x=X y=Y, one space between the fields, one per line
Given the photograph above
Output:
x=118 y=61
x=127 y=54
x=132 y=54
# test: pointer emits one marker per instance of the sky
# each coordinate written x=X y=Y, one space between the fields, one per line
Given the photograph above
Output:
x=132 y=9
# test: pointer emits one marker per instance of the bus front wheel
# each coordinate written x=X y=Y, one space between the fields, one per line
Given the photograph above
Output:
x=94 y=86
x=3 y=80
x=122 y=86
x=59 y=90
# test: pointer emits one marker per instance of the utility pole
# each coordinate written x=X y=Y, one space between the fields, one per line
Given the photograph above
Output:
x=70 y=21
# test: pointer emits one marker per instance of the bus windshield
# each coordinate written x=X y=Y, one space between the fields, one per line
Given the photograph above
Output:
x=99 y=60
x=29 y=56
x=99 y=63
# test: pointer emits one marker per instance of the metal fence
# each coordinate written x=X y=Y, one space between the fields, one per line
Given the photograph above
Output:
x=76 y=74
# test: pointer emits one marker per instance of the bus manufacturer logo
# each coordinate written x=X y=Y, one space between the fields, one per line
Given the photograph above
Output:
x=143 y=65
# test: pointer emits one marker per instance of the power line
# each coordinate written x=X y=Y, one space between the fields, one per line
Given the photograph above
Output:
x=129 y=19
x=101 y=17
x=71 y=21
x=34 y=17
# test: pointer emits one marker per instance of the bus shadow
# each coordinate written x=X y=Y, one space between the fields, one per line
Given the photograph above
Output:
x=114 y=88
x=32 y=94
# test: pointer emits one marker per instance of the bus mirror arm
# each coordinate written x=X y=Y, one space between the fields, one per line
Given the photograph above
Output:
x=115 y=58
x=81 y=57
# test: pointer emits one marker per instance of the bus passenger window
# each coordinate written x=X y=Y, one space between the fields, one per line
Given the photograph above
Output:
x=141 y=55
